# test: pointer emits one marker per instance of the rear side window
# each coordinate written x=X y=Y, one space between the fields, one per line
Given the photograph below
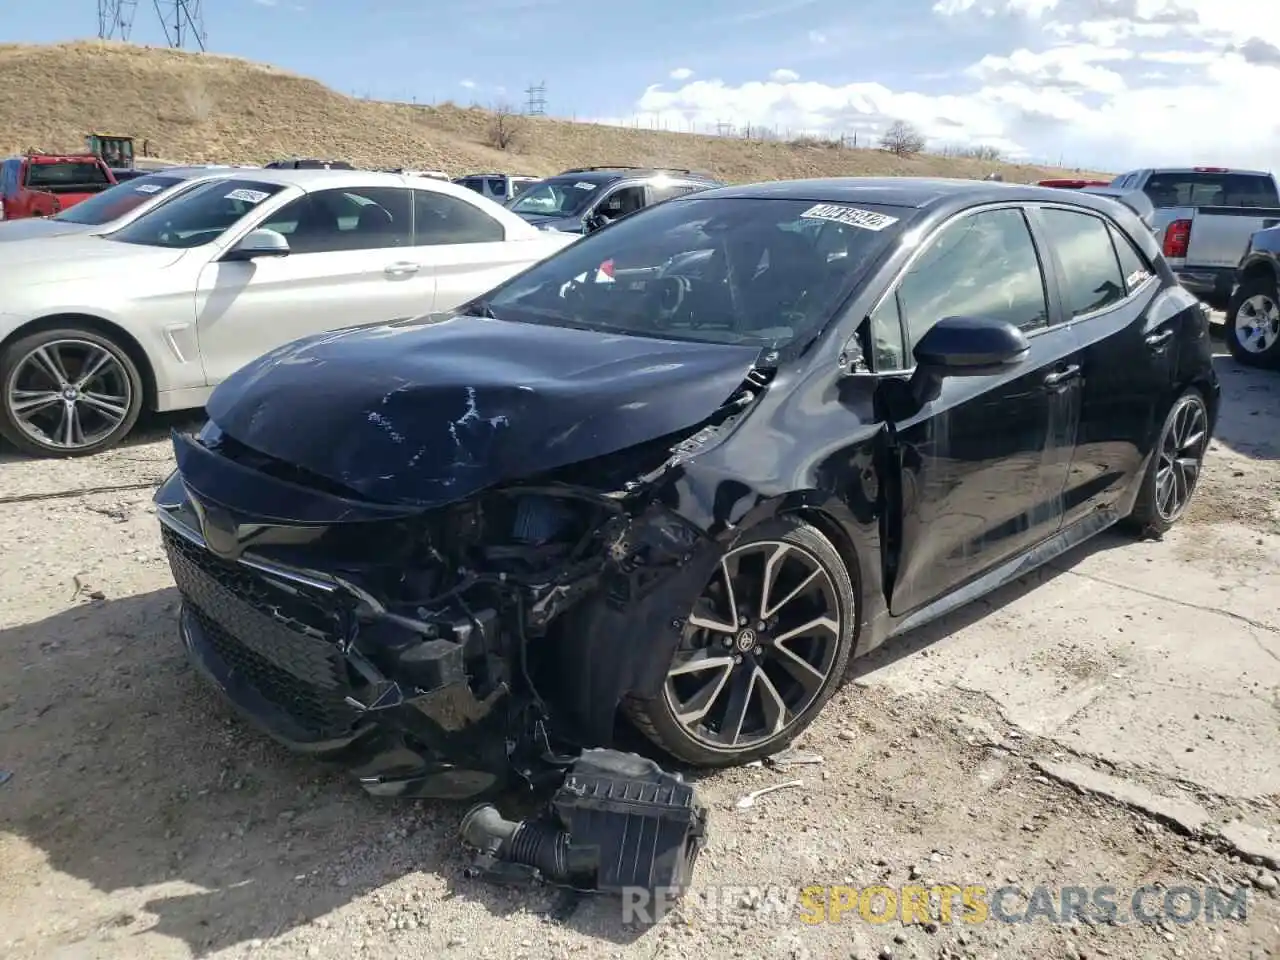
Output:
x=1133 y=265
x=497 y=187
x=665 y=191
x=439 y=219
x=8 y=177
x=1091 y=273
x=1211 y=190
x=41 y=175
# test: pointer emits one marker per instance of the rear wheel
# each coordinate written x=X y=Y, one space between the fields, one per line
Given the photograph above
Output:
x=1253 y=325
x=67 y=393
x=1174 y=471
x=761 y=652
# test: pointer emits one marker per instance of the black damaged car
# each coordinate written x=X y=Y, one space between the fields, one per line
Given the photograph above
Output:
x=679 y=473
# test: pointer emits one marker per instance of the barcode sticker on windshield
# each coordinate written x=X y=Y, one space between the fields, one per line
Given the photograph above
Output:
x=148 y=188
x=583 y=185
x=248 y=196
x=839 y=213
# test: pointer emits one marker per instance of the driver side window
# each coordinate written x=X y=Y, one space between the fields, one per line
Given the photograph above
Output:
x=981 y=265
x=621 y=202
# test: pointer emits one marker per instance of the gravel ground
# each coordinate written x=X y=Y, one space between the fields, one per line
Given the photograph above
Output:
x=141 y=821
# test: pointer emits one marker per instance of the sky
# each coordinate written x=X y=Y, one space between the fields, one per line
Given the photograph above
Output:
x=1108 y=84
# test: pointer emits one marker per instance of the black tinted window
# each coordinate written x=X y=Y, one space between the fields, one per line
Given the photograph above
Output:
x=665 y=191
x=1092 y=278
x=497 y=187
x=1133 y=265
x=42 y=175
x=439 y=218
x=1211 y=190
x=357 y=219
x=984 y=265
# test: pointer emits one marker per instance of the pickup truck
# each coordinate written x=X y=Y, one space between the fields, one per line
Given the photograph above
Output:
x=42 y=184
x=1204 y=219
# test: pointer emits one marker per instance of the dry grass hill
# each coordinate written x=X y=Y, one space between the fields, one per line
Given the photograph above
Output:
x=202 y=107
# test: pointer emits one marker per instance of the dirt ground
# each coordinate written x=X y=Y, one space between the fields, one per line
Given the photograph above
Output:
x=141 y=821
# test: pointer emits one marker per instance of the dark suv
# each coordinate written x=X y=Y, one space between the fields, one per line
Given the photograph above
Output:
x=587 y=198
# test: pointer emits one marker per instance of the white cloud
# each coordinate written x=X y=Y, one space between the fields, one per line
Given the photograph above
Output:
x=1110 y=84
x=467 y=84
x=680 y=73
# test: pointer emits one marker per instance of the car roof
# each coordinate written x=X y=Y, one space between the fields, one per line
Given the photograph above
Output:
x=603 y=174
x=913 y=192
x=193 y=172
x=336 y=179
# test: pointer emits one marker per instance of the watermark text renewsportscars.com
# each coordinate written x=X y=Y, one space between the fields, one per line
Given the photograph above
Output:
x=942 y=904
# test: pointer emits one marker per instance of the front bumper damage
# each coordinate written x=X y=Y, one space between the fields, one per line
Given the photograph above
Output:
x=498 y=684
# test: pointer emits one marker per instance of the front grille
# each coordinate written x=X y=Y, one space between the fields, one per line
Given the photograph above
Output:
x=284 y=646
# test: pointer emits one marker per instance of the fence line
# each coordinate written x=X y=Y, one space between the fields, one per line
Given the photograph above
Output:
x=852 y=139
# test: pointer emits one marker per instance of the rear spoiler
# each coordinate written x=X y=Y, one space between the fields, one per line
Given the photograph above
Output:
x=1135 y=200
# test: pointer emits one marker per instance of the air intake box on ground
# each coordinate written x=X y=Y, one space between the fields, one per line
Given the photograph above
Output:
x=618 y=822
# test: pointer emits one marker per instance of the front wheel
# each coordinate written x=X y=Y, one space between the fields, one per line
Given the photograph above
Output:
x=761 y=652
x=1176 y=463
x=1253 y=324
x=67 y=393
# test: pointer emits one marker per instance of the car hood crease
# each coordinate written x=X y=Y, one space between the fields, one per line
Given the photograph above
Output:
x=430 y=413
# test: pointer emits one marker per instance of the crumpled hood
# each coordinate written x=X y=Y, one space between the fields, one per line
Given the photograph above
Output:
x=77 y=256
x=428 y=413
x=31 y=227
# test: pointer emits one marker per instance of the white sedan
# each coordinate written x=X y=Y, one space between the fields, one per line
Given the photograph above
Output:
x=158 y=312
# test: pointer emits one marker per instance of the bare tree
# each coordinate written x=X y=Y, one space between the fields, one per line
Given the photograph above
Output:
x=505 y=127
x=902 y=139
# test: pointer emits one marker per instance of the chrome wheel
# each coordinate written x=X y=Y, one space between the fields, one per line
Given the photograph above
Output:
x=1182 y=451
x=758 y=648
x=1257 y=324
x=69 y=394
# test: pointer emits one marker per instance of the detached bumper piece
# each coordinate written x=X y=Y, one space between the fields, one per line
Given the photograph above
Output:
x=617 y=823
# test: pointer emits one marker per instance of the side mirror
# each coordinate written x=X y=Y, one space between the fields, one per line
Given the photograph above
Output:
x=593 y=222
x=259 y=243
x=964 y=347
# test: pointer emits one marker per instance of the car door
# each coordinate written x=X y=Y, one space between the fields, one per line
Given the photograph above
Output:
x=1126 y=328
x=983 y=465
x=462 y=248
x=349 y=262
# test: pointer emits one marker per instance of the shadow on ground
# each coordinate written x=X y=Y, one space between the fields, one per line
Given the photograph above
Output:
x=150 y=428
x=128 y=773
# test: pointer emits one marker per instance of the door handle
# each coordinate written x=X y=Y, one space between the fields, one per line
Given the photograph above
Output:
x=401 y=269
x=1062 y=376
x=1159 y=339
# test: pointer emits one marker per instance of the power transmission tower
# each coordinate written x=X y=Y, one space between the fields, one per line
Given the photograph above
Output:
x=115 y=19
x=536 y=104
x=182 y=20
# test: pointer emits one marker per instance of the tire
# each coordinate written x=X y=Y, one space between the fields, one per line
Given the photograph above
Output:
x=1256 y=305
x=39 y=433
x=800 y=547
x=1151 y=515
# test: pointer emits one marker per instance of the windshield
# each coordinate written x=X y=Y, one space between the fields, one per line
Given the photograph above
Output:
x=1211 y=190
x=65 y=173
x=198 y=216
x=555 y=198
x=117 y=201
x=754 y=271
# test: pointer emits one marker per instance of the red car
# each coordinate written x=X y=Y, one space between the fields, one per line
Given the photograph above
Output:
x=41 y=184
